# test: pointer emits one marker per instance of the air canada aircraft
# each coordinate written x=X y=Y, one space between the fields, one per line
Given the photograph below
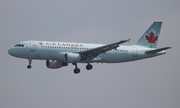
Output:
x=59 y=54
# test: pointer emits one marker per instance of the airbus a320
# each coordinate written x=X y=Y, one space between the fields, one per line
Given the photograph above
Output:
x=59 y=54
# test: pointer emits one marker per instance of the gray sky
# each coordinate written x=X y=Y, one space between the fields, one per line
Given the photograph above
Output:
x=150 y=83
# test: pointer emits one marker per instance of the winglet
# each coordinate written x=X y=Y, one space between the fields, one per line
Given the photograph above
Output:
x=123 y=41
x=129 y=40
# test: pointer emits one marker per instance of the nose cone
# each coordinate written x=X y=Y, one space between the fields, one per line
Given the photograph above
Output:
x=11 y=51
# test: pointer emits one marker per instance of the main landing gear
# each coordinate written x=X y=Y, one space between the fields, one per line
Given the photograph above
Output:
x=89 y=66
x=29 y=66
x=77 y=70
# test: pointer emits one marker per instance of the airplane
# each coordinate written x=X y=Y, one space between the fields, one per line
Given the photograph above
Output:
x=59 y=54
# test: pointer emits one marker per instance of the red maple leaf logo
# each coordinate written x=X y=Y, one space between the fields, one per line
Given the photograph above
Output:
x=151 y=38
x=40 y=43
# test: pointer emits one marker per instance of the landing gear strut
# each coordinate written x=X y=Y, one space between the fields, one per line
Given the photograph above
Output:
x=76 y=70
x=30 y=61
x=89 y=66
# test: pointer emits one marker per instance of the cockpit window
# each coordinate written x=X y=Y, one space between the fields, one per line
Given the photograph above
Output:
x=19 y=45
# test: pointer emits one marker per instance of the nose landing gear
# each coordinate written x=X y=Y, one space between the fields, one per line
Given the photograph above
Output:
x=29 y=66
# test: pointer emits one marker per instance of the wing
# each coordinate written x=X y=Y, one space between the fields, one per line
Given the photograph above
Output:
x=92 y=53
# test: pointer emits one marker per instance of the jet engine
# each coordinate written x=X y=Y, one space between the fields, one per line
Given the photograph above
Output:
x=54 y=64
x=72 y=57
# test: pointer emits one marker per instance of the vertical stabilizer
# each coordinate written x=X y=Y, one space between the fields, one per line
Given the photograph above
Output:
x=150 y=37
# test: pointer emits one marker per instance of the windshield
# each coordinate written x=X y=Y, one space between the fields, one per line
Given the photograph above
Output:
x=19 y=45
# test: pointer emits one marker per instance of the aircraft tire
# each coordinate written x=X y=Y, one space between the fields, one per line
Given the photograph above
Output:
x=89 y=67
x=77 y=70
x=29 y=66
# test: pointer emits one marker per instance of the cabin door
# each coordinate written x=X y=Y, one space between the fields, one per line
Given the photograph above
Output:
x=32 y=47
x=135 y=53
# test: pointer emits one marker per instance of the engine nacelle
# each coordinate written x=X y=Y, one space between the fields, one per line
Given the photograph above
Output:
x=72 y=57
x=53 y=64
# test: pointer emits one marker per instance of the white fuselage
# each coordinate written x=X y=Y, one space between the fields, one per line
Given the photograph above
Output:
x=44 y=50
x=59 y=54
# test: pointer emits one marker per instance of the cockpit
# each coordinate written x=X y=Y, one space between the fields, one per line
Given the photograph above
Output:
x=19 y=45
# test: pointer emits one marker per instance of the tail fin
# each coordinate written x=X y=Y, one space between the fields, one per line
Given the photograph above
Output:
x=150 y=37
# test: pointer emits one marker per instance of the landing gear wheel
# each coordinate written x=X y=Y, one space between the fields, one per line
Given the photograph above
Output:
x=29 y=66
x=76 y=70
x=89 y=67
x=30 y=61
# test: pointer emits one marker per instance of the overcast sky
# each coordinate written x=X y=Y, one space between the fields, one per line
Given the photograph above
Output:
x=150 y=83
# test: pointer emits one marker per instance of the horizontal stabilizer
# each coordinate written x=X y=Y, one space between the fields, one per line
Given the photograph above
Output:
x=157 y=50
